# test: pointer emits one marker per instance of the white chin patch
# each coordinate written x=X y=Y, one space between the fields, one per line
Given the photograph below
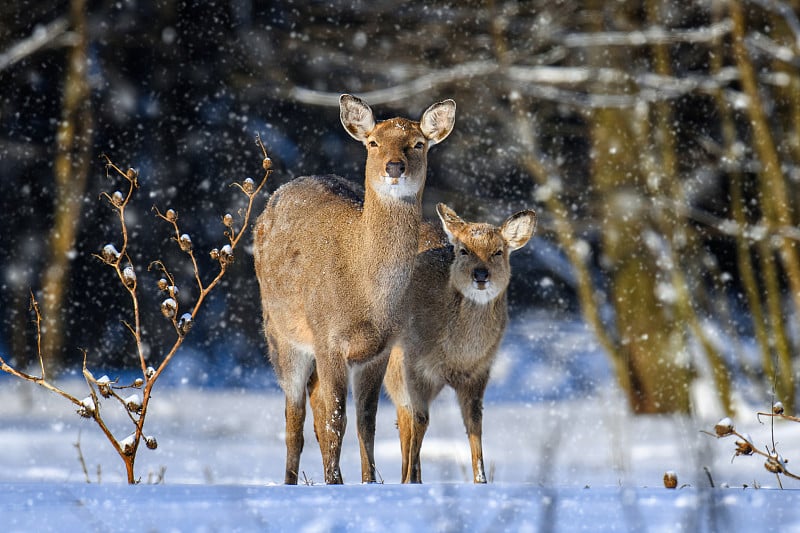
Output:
x=481 y=296
x=395 y=187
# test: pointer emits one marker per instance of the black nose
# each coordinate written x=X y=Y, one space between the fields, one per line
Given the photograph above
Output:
x=395 y=168
x=481 y=275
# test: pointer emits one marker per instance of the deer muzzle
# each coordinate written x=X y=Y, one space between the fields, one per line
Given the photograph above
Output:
x=480 y=276
x=395 y=170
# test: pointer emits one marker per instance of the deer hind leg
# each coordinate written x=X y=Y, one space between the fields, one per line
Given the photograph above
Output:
x=295 y=417
x=404 y=427
x=317 y=404
x=367 y=381
x=293 y=368
x=470 y=399
x=330 y=415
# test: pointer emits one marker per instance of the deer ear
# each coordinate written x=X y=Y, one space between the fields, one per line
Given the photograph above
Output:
x=438 y=120
x=518 y=229
x=451 y=222
x=356 y=117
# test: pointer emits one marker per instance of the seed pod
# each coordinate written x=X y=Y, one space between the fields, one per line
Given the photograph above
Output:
x=775 y=464
x=151 y=442
x=129 y=275
x=214 y=254
x=104 y=386
x=744 y=447
x=163 y=284
x=670 y=479
x=777 y=408
x=128 y=444
x=117 y=198
x=134 y=403
x=249 y=185
x=186 y=242
x=226 y=254
x=724 y=427
x=110 y=253
x=266 y=163
x=87 y=408
x=150 y=372
x=227 y=220
x=173 y=291
x=171 y=215
x=132 y=174
x=169 y=307
x=185 y=323
x=138 y=382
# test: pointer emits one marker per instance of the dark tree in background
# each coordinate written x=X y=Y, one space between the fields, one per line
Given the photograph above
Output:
x=657 y=140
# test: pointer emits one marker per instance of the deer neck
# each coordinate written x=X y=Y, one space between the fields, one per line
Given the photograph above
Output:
x=488 y=314
x=388 y=248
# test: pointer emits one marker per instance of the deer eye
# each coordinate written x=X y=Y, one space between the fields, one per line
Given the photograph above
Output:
x=498 y=252
x=464 y=251
x=373 y=144
x=420 y=145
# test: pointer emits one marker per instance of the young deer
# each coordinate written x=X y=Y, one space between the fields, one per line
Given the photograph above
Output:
x=456 y=317
x=333 y=263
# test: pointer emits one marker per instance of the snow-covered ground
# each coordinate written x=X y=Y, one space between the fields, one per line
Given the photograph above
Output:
x=570 y=461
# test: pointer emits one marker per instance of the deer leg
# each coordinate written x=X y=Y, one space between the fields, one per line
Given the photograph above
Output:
x=420 y=394
x=318 y=411
x=419 y=425
x=292 y=368
x=404 y=427
x=295 y=417
x=367 y=380
x=470 y=399
x=332 y=377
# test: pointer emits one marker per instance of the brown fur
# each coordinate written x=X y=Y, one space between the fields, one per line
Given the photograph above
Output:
x=333 y=262
x=456 y=318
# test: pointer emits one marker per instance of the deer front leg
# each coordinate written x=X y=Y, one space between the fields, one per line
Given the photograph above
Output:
x=470 y=399
x=367 y=381
x=420 y=394
x=419 y=425
x=332 y=385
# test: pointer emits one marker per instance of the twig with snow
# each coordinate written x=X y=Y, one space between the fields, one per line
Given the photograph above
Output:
x=775 y=462
x=135 y=403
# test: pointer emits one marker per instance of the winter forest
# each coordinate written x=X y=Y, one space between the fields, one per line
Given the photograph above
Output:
x=657 y=141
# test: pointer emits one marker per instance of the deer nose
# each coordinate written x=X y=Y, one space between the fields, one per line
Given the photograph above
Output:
x=395 y=168
x=480 y=275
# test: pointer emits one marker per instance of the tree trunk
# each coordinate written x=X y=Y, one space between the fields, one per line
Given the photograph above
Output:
x=71 y=166
x=650 y=338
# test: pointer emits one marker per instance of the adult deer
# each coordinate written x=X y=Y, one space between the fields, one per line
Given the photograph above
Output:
x=333 y=263
x=457 y=313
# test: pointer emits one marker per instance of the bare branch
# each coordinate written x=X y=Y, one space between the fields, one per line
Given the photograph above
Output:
x=418 y=85
x=788 y=13
x=41 y=37
x=655 y=35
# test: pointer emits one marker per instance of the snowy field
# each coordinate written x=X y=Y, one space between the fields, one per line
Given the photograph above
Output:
x=562 y=453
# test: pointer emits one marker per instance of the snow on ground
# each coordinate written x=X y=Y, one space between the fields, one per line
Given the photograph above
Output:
x=556 y=462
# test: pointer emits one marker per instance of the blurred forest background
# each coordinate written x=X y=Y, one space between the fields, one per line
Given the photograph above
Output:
x=659 y=141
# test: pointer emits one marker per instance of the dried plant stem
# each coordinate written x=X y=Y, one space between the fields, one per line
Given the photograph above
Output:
x=81 y=459
x=123 y=266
